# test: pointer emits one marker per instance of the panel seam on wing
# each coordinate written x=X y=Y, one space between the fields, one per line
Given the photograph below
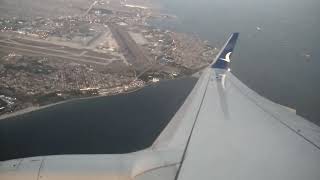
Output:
x=275 y=117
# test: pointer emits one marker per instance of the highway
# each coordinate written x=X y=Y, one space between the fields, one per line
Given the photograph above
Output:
x=89 y=9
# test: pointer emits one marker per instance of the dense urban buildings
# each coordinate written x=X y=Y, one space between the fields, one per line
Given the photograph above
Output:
x=106 y=48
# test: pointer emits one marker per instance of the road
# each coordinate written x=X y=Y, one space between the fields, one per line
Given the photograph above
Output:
x=89 y=9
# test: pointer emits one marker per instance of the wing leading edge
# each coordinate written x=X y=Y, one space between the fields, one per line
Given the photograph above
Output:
x=239 y=134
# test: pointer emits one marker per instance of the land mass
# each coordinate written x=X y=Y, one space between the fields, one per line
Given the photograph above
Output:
x=89 y=48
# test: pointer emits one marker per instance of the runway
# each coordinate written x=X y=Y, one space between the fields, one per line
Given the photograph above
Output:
x=29 y=47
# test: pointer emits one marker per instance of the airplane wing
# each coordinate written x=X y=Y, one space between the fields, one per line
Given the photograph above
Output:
x=224 y=130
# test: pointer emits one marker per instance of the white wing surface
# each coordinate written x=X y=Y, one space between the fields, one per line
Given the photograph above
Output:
x=224 y=131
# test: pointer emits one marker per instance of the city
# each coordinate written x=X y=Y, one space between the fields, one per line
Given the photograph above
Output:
x=108 y=49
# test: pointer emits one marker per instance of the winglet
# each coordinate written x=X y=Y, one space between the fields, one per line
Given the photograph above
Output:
x=224 y=57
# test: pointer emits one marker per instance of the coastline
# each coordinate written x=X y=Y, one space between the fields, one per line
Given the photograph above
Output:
x=99 y=123
x=33 y=108
x=37 y=108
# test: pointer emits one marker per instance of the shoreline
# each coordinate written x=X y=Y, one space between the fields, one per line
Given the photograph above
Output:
x=154 y=9
x=37 y=108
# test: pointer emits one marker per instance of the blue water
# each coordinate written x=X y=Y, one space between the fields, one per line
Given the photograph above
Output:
x=102 y=125
x=274 y=61
x=270 y=61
